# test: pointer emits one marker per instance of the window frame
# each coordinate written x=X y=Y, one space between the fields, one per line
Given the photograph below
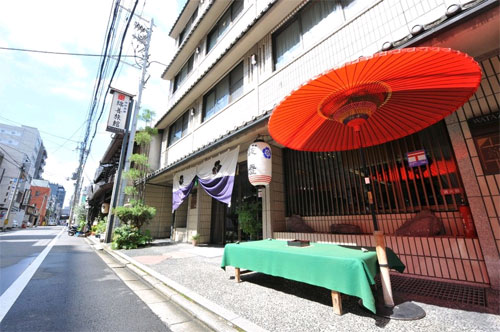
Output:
x=232 y=94
x=188 y=26
x=178 y=80
x=178 y=124
x=234 y=11
x=297 y=17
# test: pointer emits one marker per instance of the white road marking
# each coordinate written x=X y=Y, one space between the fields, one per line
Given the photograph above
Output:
x=10 y=296
x=41 y=243
x=20 y=240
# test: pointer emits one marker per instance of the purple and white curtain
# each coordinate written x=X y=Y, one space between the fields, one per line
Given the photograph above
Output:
x=183 y=184
x=215 y=175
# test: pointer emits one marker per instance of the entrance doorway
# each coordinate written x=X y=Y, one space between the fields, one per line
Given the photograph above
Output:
x=224 y=219
x=217 y=228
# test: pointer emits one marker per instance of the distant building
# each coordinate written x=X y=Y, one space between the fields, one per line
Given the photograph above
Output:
x=57 y=194
x=40 y=197
x=23 y=157
x=64 y=214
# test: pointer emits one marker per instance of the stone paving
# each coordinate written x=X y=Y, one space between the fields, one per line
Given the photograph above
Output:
x=277 y=304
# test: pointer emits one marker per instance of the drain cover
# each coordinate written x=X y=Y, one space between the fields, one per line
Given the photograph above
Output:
x=441 y=290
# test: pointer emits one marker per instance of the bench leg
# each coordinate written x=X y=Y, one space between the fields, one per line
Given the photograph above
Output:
x=237 y=274
x=337 y=302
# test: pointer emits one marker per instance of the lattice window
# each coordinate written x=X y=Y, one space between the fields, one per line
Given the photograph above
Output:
x=330 y=183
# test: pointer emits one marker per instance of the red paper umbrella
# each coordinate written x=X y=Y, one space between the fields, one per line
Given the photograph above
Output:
x=372 y=101
x=375 y=100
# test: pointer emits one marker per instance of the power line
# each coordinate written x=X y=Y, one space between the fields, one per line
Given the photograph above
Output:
x=114 y=71
x=110 y=29
x=61 y=53
x=13 y=159
x=7 y=160
x=64 y=143
x=47 y=133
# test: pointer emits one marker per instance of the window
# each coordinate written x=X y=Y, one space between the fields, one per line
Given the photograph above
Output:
x=331 y=183
x=302 y=30
x=218 y=30
x=184 y=72
x=37 y=193
x=188 y=26
x=179 y=129
x=227 y=90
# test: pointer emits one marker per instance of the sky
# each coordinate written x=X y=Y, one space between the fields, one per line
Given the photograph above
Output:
x=53 y=92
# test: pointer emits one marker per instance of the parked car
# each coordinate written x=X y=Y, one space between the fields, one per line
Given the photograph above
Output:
x=15 y=224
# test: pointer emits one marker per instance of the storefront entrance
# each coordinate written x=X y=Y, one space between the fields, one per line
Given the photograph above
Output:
x=224 y=220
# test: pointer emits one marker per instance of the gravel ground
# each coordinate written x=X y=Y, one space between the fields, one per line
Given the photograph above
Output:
x=278 y=304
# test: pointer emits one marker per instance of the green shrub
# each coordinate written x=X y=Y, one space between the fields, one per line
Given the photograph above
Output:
x=248 y=218
x=137 y=214
x=101 y=226
x=129 y=237
x=81 y=225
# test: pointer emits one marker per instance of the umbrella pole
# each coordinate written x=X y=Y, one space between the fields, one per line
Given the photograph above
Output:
x=368 y=191
x=385 y=277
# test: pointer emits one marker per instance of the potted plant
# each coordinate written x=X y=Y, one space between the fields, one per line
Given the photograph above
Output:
x=195 y=238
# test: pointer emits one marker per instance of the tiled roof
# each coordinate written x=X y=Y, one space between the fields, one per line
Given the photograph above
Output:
x=223 y=138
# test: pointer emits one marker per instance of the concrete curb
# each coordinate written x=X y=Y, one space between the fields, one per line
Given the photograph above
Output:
x=194 y=303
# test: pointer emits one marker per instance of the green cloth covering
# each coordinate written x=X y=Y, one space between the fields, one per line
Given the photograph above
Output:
x=345 y=270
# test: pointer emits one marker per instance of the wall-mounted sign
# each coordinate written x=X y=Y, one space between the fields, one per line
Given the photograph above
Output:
x=416 y=158
x=118 y=112
x=451 y=191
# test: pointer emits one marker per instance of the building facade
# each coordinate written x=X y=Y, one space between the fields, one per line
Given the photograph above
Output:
x=100 y=192
x=24 y=159
x=236 y=60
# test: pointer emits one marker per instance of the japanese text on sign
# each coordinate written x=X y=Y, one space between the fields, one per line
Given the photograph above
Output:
x=118 y=113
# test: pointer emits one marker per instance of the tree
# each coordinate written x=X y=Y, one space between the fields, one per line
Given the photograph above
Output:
x=137 y=213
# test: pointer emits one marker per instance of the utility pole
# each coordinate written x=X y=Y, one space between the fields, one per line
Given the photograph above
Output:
x=41 y=209
x=11 y=203
x=78 y=177
x=143 y=37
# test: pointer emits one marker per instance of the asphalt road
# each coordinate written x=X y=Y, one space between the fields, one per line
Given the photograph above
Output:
x=72 y=289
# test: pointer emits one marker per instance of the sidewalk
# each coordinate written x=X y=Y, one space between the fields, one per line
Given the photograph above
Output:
x=262 y=302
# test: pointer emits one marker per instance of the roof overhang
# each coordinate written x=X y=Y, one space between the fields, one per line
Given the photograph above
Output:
x=242 y=136
x=475 y=31
x=185 y=14
x=113 y=149
x=247 y=40
x=197 y=33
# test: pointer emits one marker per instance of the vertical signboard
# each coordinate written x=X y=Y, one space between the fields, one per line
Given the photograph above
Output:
x=118 y=112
